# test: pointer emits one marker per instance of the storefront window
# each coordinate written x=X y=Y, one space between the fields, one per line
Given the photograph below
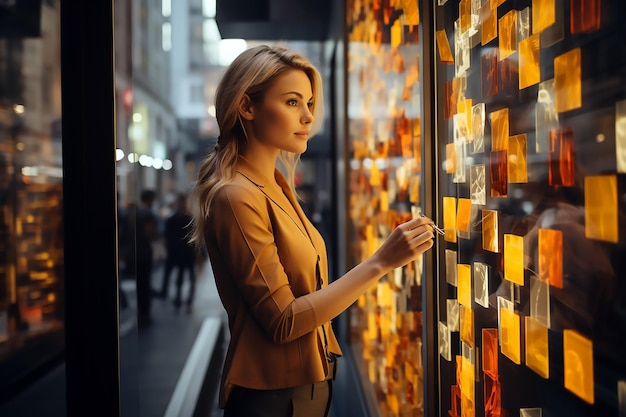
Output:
x=31 y=222
x=530 y=135
x=384 y=127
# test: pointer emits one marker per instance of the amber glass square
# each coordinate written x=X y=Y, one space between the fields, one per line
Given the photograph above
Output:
x=449 y=218
x=537 y=357
x=550 y=251
x=490 y=230
x=489 y=28
x=490 y=352
x=443 y=46
x=489 y=73
x=463 y=214
x=499 y=129
x=543 y=14
x=517 y=166
x=492 y=397
x=567 y=81
x=498 y=173
x=529 y=68
x=467 y=326
x=464 y=274
x=561 y=157
x=601 y=208
x=578 y=364
x=514 y=258
x=507 y=33
x=510 y=334
x=451 y=99
x=467 y=380
x=584 y=16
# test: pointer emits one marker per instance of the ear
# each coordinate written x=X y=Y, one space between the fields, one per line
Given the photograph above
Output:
x=246 y=109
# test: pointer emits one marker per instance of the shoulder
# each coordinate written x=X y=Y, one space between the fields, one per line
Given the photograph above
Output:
x=237 y=193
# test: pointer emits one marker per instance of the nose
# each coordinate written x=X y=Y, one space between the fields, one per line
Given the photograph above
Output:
x=307 y=116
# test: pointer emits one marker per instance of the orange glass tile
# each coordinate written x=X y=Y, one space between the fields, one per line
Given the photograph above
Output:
x=449 y=218
x=556 y=31
x=509 y=77
x=584 y=16
x=489 y=72
x=451 y=99
x=490 y=231
x=455 y=403
x=495 y=3
x=396 y=32
x=463 y=214
x=464 y=276
x=514 y=258
x=450 y=164
x=567 y=81
x=543 y=14
x=384 y=201
x=489 y=28
x=601 y=208
x=498 y=173
x=510 y=334
x=546 y=117
x=561 y=157
x=537 y=357
x=443 y=46
x=467 y=380
x=499 y=129
x=516 y=164
x=411 y=13
x=492 y=397
x=375 y=176
x=578 y=365
x=467 y=326
x=414 y=189
x=490 y=352
x=465 y=15
x=507 y=34
x=465 y=107
x=467 y=407
x=529 y=69
x=459 y=368
x=550 y=251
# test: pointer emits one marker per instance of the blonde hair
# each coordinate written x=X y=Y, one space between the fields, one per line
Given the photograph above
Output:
x=252 y=73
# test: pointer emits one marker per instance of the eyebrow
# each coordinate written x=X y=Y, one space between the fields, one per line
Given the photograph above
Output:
x=296 y=93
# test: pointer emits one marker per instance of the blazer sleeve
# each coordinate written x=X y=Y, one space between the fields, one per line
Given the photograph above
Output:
x=243 y=234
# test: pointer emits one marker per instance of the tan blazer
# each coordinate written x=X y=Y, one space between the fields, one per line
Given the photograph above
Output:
x=266 y=257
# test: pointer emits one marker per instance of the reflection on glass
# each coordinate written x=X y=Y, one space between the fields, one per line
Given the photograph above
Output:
x=517 y=171
x=492 y=396
x=452 y=313
x=509 y=76
x=466 y=323
x=460 y=146
x=490 y=230
x=499 y=129
x=543 y=14
x=523 y=24
x=510 y=335
x=451 y=92
x=477 y=184
x=489 y=72
x=461 y=127
x=443 y=46
x=461 y=50
x=481 y=284
x=584 y=16
x=498 y=173
x=620 y=135
x=507 y=34
x=464 y=274
x=567 y=81
x=449 y=218
x=601 y=205
x=578 y=364
x=550 y=253
x=465 y=15
x=464 y=213
x=514 y=258
x=489 y=28
x=478 y=127
x=450 y=163
x=445 y=349
x=451 y=277
x=540 y=301
x=561 y=157
x=546 y=117
x=529 y=68
x=530 y=412
x=537 y=357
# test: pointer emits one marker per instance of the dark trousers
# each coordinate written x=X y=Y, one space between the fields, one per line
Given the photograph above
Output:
x=181 y=266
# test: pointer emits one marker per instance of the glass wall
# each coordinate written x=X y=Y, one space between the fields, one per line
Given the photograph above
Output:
x=384 y=63
x=31 y=223
x=530 y=133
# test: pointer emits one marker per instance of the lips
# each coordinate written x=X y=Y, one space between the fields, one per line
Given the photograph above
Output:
x=304 y=133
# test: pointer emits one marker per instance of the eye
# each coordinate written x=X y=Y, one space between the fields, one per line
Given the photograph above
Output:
x=292 y=102
x=310 y=104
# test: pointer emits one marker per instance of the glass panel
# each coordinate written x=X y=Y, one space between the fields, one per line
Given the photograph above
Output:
x=31 y=198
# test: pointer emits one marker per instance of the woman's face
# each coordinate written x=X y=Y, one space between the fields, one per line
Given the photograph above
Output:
x=283 y=118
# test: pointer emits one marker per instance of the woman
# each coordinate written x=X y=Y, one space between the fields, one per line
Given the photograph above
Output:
x=268 y=260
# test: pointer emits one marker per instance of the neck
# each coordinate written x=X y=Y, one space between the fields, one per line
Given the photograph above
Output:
x=263 y=158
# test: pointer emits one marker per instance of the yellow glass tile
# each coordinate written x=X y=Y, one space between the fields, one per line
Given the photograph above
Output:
x=414 y=189
x=450 y=164
x=601 y=204
x=537 y=357
x=489 y=28
x=514 y=258
x=396 y=32
x=411 y=12
x=567 y=81
x=459 y=368
x=465 y=15
x=550 y=251
x=467 y=407
x=529 y=69
x=578 y=365
x=467 y=379
x=384 y=201
x=449 y=218
x=464 y=276
x=543 y=14
x=463 y=214
x=510 y=335
x=465 y=107
x=490 y=231
x=499 y=129
x=516 y=164
x=507 y=33
x=375 y=177
x=467 y=326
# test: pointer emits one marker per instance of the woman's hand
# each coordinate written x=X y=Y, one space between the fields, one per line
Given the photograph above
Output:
x=405 y=243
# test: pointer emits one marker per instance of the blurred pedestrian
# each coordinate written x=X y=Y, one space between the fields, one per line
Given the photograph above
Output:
x=180 y=254
x=145 y=234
